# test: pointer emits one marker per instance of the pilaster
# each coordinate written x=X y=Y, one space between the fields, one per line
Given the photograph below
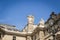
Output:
x=41 y=35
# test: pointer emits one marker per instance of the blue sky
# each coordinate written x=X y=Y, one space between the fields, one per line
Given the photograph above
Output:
x=15 y=12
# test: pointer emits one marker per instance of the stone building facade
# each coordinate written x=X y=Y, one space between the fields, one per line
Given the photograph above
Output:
x=49 y=30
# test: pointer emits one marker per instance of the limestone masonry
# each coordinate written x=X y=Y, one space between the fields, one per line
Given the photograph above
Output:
x=49 y=30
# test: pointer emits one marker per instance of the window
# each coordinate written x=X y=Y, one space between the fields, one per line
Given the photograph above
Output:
x=14 y=37
x=0 y=35
x=50 y=39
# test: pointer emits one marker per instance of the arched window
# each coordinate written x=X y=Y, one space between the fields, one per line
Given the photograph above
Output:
x=14 y=37
x=0 y=35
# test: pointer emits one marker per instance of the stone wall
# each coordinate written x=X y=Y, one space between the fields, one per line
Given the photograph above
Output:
x=10 y=37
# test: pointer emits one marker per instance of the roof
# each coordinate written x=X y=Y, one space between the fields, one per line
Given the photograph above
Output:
x=8 y=25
